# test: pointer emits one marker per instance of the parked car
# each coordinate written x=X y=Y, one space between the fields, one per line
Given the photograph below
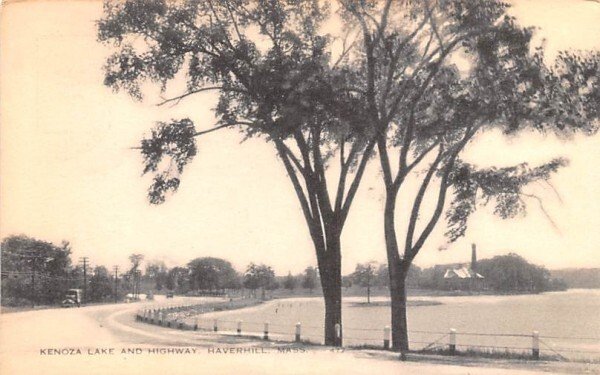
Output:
x=169 y=294
x=150 y=295
x=72 y=298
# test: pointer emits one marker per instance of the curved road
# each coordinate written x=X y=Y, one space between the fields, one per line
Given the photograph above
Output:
x=105 y=339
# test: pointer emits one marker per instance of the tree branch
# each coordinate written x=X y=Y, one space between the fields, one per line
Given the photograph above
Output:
x=541 y=203
x=295 y=160
x=384 y=160
x=344 y=167
x=414 y=215
x=345 y=49
x=322 y=190
x=309 y=216
x=177 y=99
x=413 y=250
x=222 y=127
x=356 y=181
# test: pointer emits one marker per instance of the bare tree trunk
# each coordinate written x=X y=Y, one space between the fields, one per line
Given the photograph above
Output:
x=399 y=321
x=331 y=275
x=332 y=293
x=397 y=273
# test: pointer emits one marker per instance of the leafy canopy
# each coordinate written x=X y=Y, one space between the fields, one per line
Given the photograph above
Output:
x=267 y=60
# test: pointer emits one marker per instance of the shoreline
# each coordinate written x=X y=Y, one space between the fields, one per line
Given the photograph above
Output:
x=377 y=295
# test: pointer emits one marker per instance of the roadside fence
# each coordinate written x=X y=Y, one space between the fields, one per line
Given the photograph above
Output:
x=452 y=342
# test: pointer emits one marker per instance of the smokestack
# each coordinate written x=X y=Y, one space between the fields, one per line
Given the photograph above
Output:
x=473 y=257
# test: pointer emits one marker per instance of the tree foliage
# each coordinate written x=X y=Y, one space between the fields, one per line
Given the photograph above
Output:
x=270 y=64
x=364 y=274
x=512 y=273
x=434 y=76
x=259 y=276
x=309 y=280
x=398 y=87
x=503 y=186
x=135 y=260
x=212 y=274
x=34 y=270
x=290 y=282
x=276 y=85
x=100 y=286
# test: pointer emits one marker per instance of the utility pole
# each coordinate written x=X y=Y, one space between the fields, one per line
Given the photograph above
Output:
x=136 y=284
x=85 y=264
x=33 y=287
x=139 y=282
x=116 y=268
x=34 y=265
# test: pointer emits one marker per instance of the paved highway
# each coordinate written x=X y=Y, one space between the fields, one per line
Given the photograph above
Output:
x=105 y=339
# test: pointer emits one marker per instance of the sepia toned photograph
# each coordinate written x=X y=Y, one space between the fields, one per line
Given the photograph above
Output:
x=299 y=187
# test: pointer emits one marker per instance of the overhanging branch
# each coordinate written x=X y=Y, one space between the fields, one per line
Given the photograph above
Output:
x=178 y=98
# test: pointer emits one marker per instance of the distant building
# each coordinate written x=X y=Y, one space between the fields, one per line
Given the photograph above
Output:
x=459 y=276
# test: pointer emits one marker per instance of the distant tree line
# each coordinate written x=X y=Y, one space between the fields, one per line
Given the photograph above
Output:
x=579 y=277
x=509 y=273
x=307 y=280
x=512 y=273
x=37 y=272
x=215 y=276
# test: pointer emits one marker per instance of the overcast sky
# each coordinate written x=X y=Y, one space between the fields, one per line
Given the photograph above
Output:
x=68 y=173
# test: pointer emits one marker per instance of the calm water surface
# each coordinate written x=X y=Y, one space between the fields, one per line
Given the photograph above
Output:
x=568 y=321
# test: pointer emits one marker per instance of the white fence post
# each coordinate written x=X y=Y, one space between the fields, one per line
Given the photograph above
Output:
x=452 y=341
x=338 y=334
x=298 y=331
x=239 y=328
x=266 y=331
x=386 y=337
x=535 y=344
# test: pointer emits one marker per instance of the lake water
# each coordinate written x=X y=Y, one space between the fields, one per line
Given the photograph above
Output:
x=568 y=322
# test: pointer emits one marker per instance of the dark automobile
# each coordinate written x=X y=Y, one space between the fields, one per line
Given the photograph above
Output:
x=169 y=294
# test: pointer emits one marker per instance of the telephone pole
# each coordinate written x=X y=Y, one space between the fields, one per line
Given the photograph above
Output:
x=84 y=260
x=138 y=276
x=33 y=288
x=116 y=268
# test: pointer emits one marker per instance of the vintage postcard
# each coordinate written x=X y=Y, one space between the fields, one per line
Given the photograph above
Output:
x=299 y=186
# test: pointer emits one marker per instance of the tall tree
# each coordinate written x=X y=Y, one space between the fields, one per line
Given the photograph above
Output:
x=427 y=107
x=290 y=282
x=101 y=287
x=134 y=274
x=178 y=279
x=156 y=271
x=136 y=261
x=259 y=276
x=272 y=71
x=364 y=275
x=309 y=281
x=212 y=274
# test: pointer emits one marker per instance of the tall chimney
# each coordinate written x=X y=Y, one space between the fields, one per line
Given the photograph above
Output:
x=474 y=257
